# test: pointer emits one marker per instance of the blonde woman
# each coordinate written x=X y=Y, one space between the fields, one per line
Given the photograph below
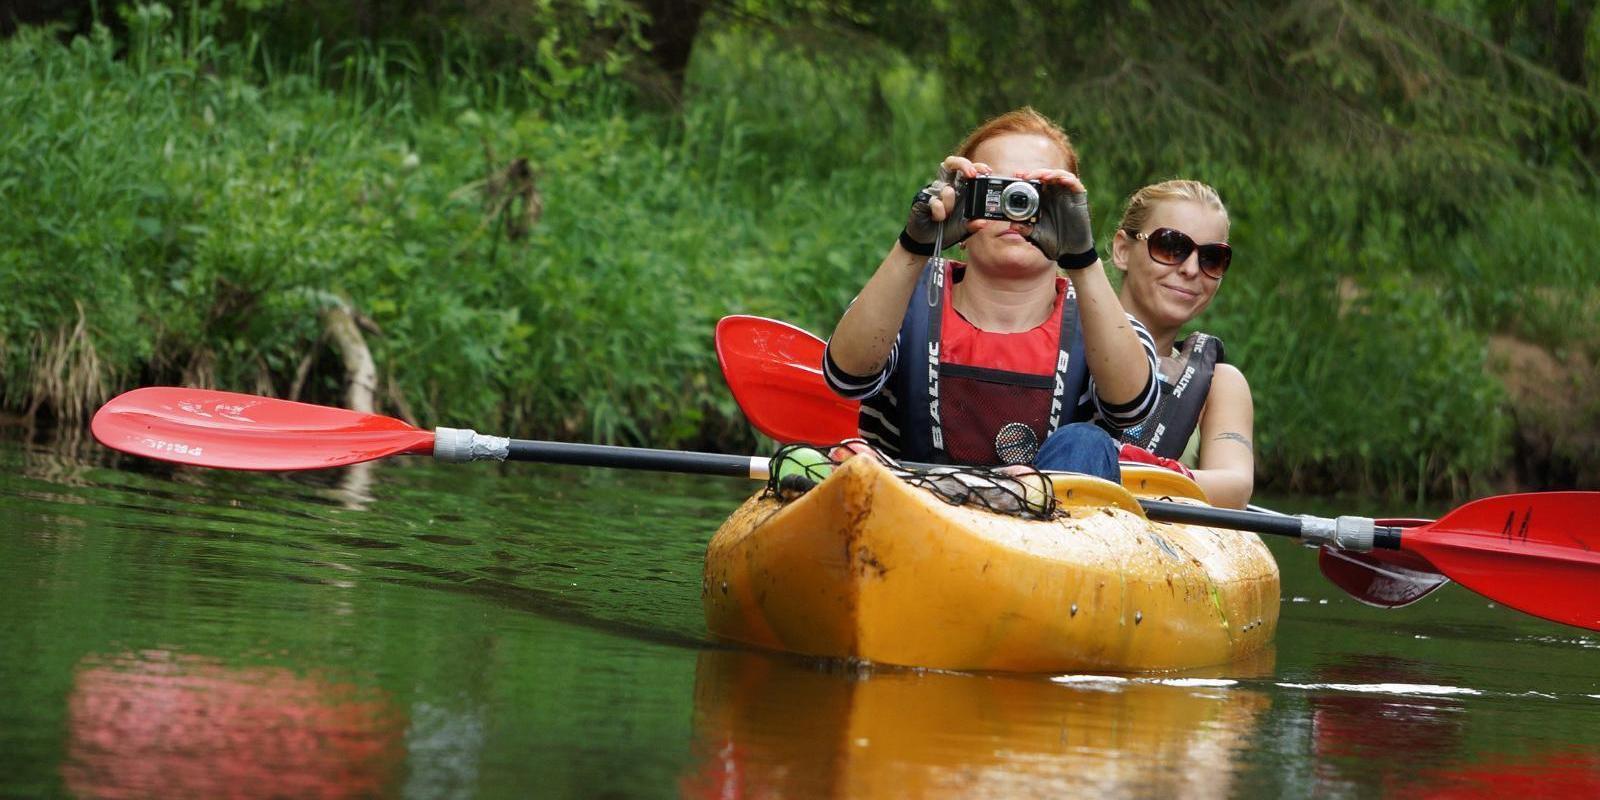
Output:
x=1172 y=249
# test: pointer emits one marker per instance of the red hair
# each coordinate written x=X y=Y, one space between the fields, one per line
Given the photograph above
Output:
x=1022 y=120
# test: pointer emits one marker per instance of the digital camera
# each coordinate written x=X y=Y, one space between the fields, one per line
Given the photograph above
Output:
x=1012 y=199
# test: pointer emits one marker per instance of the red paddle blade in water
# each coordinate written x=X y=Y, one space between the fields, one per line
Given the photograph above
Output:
x=775 y=372
x=1382 y=578
x=207 y=428
x=1538 y=553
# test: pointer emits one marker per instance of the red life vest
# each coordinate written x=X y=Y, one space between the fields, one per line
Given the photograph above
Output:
x=1025 y=385
x=990 y=383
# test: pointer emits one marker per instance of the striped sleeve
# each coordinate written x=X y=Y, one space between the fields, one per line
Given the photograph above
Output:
x=857 y=387
x=1133 y=412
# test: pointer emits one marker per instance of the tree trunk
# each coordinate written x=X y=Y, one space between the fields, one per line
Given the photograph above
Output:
x=673 y=27
x=361 y=373
x=78 y=15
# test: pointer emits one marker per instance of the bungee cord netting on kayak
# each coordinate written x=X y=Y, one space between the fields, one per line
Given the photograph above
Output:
x=1020 y=491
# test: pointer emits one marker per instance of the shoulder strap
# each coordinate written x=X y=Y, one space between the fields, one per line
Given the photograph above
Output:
x=1186 y=381
x=1198 y=355
x=921 y=330
x=1072 y=371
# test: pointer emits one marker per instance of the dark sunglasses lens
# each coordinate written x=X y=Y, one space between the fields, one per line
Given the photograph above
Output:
x=1215 y=258
x=1169 y=246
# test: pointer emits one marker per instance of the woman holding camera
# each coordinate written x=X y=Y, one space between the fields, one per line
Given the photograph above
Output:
x=998 y=359
x=1205 y=416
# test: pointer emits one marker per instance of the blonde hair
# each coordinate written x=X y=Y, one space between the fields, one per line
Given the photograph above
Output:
x=1022 y=120
x=1143 y=202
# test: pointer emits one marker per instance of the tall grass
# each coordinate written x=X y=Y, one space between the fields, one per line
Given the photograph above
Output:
x=201 y=201
x=204 y=201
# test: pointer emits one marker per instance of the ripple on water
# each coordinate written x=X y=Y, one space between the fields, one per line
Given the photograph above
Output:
x=542 y=627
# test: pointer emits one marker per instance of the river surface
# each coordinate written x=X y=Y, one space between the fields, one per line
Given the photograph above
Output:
x=416 y=630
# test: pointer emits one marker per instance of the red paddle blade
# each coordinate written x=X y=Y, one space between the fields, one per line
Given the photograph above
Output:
x=775 y=372
x=1538 y=553
x=207 y=428
x=1382 y=578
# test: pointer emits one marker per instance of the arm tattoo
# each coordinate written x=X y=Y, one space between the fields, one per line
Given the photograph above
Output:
x=1237 y=437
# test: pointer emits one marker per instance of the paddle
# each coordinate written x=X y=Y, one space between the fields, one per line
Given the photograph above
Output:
x=775 y=372
x=1533 y=552
x=1381 y=578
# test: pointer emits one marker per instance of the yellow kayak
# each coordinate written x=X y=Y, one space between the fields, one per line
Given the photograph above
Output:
x=868 y=566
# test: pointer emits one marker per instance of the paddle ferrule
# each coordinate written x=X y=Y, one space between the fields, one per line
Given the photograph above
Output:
x=459 y=445
x=1387 y=537
x=1344 y=533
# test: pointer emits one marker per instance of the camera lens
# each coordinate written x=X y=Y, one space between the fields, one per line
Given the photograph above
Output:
x=1020 y=201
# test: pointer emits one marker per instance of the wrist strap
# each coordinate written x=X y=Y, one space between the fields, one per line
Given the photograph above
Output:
x=913 y=246
x=1079 y=260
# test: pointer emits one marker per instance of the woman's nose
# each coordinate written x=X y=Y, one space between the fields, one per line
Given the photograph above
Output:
x=1191 y=263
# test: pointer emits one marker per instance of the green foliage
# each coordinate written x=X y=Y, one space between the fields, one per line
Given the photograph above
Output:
x=204 y=219
x=1404 y=181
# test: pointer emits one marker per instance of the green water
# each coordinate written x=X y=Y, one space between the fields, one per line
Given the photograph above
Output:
x=519 y=631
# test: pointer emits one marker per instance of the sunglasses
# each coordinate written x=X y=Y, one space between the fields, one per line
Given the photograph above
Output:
x=1172 y=247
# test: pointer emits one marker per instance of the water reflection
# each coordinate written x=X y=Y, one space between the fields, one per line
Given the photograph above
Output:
x=1559 y=772
x=60 y=464
x=159 y=724
x=354 y=490
x=1354 y=729
x=771 y=726
x=537 y=632
x=1399 y=727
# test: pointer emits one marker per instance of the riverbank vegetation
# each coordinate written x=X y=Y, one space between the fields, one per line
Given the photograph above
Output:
x=537 y=212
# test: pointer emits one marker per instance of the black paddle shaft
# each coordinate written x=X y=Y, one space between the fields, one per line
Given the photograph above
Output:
x=601 y=455
x=1313 y=529
x=1347 y=533
x=1319 y=530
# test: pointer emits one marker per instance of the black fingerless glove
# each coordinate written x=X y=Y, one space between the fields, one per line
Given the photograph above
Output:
x=1063 y=232
x=923 y=235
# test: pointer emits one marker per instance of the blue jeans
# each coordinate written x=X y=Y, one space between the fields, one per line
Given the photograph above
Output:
x=1080 y=447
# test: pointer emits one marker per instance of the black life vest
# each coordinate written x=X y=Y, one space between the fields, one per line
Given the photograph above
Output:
x=1184 y=381
x=936 y=411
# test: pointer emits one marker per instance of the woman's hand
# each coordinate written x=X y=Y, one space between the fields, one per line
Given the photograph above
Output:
x=936 y=213
x=1063 y=232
